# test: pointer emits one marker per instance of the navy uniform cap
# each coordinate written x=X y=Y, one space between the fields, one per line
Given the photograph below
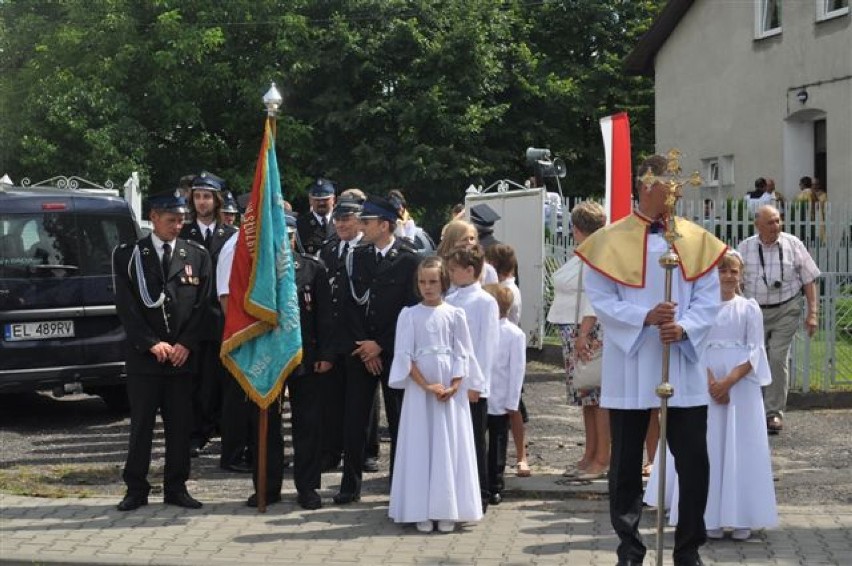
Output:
x=168 y=201
x=208 y=182
x=483 y=215
x=347 y=205
x=291 y=222
x=230 y=204
x=380 y=207
x=321 y=188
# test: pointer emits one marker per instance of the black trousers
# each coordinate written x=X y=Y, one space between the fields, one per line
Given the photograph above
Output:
x=371 y=450
x=234 y=420
x=274 y=447
x=498 y=441
x=332 y=410
x=206 y=393
x=171 y=394
x=687 y=438
x=360 y=391
x=479 y=417
x=306 y=402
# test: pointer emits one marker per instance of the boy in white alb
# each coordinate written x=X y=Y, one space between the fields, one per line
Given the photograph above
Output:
x=482 y=313
x=507 y=378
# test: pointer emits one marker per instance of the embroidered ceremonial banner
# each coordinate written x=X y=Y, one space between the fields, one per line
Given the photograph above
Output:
x=262 y=342
x=619 y=169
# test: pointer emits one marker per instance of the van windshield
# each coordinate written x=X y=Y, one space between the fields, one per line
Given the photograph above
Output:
x=54 y=244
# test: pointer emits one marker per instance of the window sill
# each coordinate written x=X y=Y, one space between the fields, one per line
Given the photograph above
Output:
x=833 y=15
x=767 y=34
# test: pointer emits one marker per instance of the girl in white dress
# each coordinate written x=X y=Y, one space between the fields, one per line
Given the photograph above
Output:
x=742 y=493
x=435 y=475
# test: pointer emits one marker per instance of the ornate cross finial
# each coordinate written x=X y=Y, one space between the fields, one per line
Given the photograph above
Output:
x=673 y=181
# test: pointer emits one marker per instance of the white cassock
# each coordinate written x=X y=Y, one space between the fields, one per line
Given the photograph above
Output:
x=435 y=475
x=507 y=377
x=483 y=317
x=633 y=353
x=742 y=492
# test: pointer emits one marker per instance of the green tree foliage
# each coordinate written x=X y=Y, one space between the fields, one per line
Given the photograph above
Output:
x=425 y=95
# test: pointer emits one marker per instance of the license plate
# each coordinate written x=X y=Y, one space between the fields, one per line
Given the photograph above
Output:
x=45 y=330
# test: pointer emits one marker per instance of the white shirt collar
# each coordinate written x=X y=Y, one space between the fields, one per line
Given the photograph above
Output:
x=384 y=250
x=158 y=244
x=203 y=227
x=320 y=218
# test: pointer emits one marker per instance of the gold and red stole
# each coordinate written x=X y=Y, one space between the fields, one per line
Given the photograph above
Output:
x=618 y=251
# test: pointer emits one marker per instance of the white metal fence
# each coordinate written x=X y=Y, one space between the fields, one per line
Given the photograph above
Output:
x=823 y=362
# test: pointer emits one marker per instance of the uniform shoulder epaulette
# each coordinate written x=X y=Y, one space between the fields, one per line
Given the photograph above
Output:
x=123 y=246
x=195 y=244
x=406 y=245
x=308 y=258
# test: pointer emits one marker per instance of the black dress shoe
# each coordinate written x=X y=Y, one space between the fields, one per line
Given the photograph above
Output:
x=629 y=563
x=495 y=499
x=309 y=500
x=346 y=498
x=131 y=502
x=371 y=465
x=237 y=467
x=195 y=447
x=270 y=499
x=690 y=562
x=181 y=500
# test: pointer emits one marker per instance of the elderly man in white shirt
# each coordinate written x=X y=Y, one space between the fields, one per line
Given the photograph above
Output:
x=778 y=270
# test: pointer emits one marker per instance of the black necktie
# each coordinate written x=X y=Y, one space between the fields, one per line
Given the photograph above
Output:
x=167 y=259
x=207 y=237
x=345 y=250
x=379 y=257
x=657 y=226
x=324 y=224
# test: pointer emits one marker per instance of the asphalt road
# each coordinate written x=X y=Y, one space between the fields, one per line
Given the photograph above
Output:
x=78 y=445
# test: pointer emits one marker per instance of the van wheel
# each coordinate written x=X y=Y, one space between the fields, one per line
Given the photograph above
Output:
x=115 y=398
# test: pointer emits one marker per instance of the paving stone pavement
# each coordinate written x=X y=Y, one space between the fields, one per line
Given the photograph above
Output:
x=517 y=532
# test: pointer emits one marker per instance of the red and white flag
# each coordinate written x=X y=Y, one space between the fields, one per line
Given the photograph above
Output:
x=619 y=174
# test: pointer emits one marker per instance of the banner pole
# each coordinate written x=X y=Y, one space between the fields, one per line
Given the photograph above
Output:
x=263 y=429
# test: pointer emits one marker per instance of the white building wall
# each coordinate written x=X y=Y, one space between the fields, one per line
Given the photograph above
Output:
x=719 y=91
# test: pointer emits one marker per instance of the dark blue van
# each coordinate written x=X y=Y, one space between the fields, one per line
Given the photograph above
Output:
x=57 y=306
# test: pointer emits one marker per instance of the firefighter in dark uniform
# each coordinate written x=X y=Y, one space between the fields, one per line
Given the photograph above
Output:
x=218 y=398
x=483 y=217
x=307 y=387
x=381 y=282
x=162 y=286
x=347 y=236
x=230 y=209
x=315 y=227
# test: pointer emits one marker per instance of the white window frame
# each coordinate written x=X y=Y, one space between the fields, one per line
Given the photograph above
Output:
x=711 y=171
x=823 y=13
x=760 y=7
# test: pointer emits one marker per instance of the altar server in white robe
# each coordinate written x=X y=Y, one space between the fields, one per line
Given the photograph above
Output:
x=435 y=473
x=742 y=492
x=626 y=286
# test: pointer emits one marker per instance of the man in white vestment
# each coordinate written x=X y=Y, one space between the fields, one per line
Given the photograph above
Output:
x=626 y=286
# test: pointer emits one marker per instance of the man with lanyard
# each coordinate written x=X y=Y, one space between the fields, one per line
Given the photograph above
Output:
x=380 y=277
x=315 y=227
x=778 y=269
x=626 y=287
x=162 y=286
x=218 y=399
x=334 y=255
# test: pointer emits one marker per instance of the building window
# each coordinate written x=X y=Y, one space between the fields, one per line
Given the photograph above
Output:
x=828 y=9
x=711 y=172
x=767 y=18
